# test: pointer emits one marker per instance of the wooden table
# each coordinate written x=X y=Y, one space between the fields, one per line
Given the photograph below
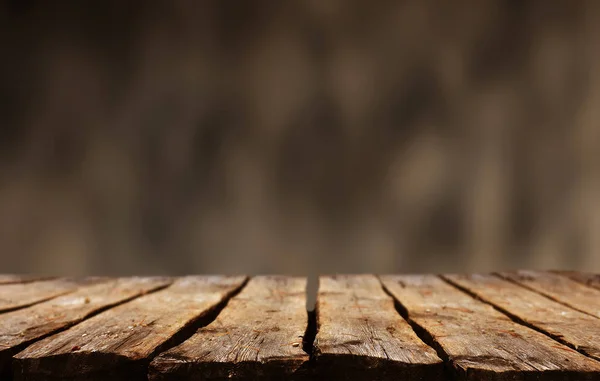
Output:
x=522 y=325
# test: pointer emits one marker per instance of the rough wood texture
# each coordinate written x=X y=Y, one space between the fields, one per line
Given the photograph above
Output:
x=481 y=343
x=9 y=278
x=22 y=327
x=14 y=296
x=576 y=329
x=592 y=280
x=118 y=343
x=361 y=336
x=559 y=288
x=91 y=330
x=259 y=334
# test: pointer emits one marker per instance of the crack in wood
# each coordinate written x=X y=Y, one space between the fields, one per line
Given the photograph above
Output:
x=362 y=328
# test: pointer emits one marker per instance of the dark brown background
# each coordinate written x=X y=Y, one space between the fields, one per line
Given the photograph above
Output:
x=299 y=136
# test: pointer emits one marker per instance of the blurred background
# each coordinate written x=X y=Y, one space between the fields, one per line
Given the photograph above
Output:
x=299 y=136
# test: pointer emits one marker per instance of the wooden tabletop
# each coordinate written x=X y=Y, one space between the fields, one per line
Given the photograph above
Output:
x=522 y=325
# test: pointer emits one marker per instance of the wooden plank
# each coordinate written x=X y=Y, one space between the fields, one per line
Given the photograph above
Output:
x=19 y=295
x=481 y=343
x=589 y=279
x=22 y=327
x=118 y=344
x=557 y=287
x=361 y=336
x=12 y=278
x=576 y=329
x=259 y=334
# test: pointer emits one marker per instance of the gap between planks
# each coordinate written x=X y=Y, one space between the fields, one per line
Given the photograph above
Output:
x=15 y=296
x=21 y=328
x=119 y=343
x=566 y=325
x=308 y=341
x=580 y=297
x=260 y=333
x=430 y=310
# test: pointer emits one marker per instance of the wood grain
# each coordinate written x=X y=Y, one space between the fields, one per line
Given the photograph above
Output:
x=19 y=295
x=259 y=334
x=560 y=288
x=361 y=336
x=481 y=343
x=22 y=327
x=576 y=329
x=10 y=278
x=118 y=344
x=589 y=279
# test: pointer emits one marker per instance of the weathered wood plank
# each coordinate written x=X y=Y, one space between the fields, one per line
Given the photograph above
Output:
x=576 y=329
x=590 y=279
x=11 y=278
x=259 y=334
x=19 y=295
x=22 y=327
x=481 y=343
x=118 y=344
x=361 y=336
x=562 y=289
